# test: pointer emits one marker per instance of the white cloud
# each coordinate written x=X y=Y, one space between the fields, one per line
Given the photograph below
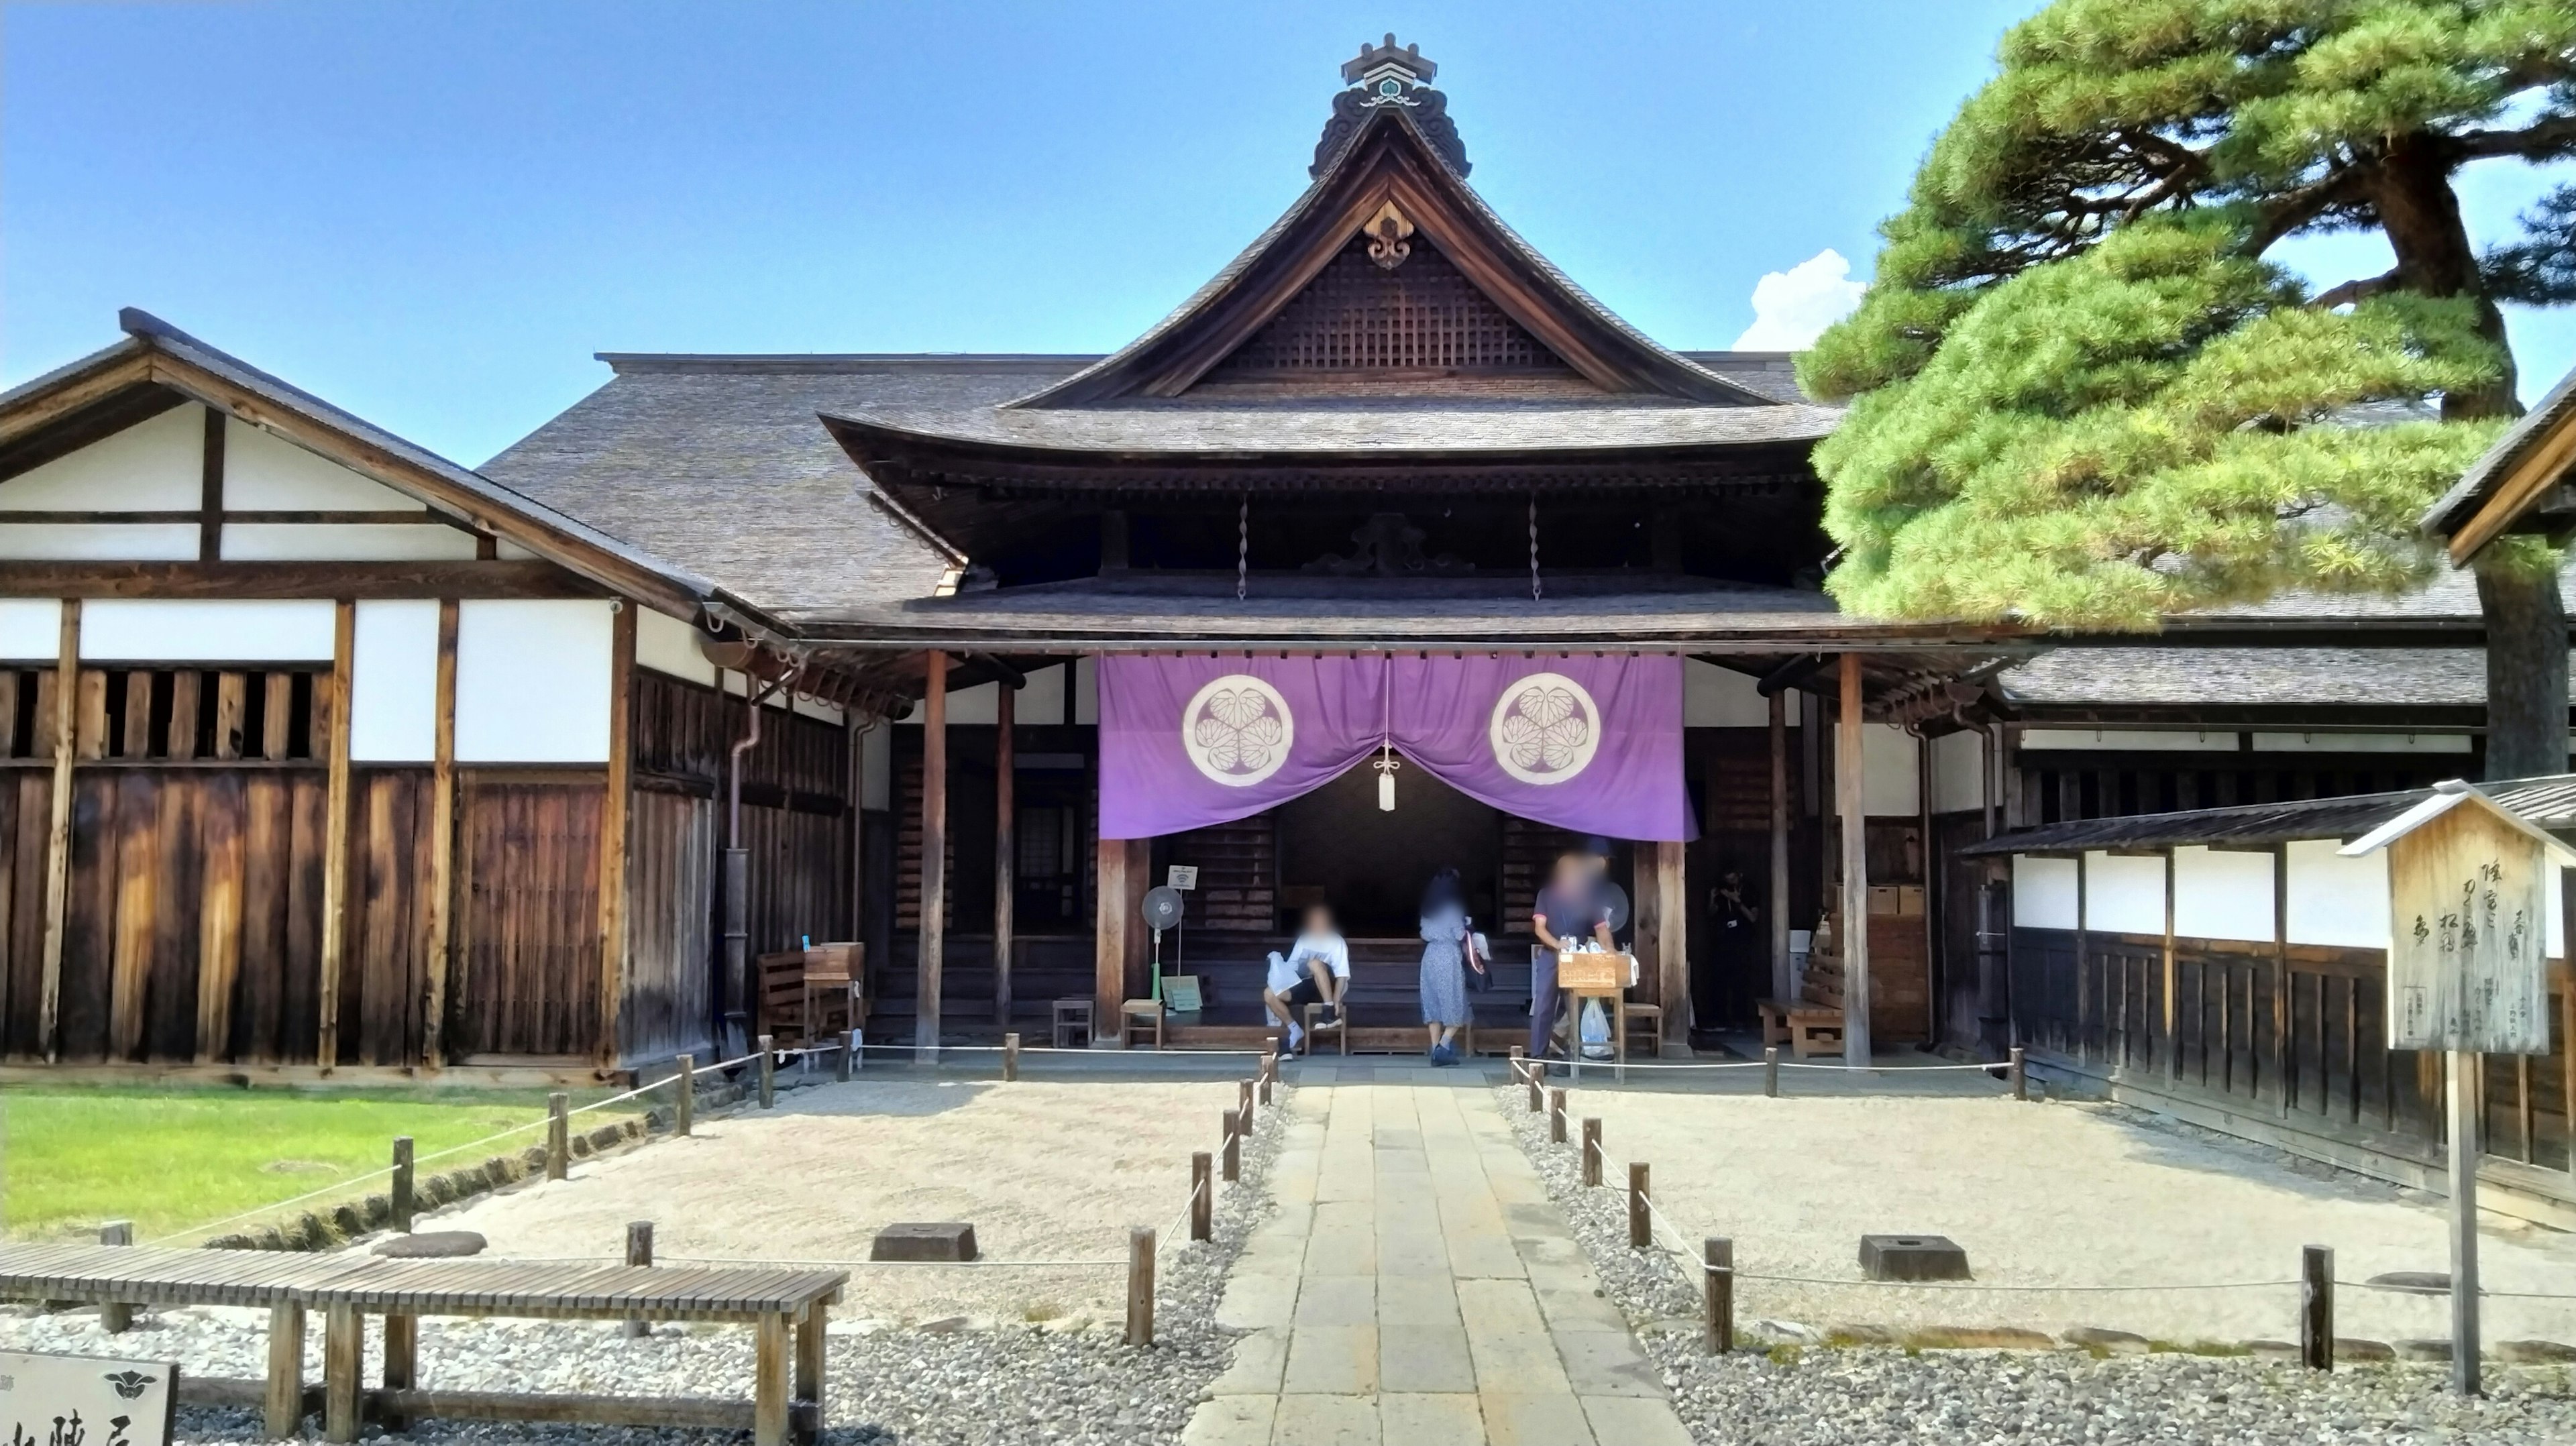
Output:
x=1791 y=308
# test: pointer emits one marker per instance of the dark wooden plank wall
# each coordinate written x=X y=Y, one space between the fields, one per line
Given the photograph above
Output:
x=671 y=872
x=2061 y=786
x=2300 y=1045
x=526 y=980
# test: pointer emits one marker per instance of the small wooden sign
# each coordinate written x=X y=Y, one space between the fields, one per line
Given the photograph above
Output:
x=2468 y=911
x=1592 y=973
x=1184 y=877
x=92 y=1400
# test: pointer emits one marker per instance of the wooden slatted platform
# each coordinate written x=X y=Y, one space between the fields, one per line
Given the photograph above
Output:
x=347 y=1289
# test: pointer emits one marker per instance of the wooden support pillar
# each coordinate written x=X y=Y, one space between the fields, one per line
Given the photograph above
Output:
x=934 y=856
x=210 y=490
x=282 y=1402
x=1119 y=949
x=2284 y=1081
x=1671 y=886
x=335 y=833
x=1850 y=806
x=612 y=833
x=1005 y=845
x=1936 y=973
x=2171 y=1053
x=441 y=924
x=1784 y=984
x=58 y=838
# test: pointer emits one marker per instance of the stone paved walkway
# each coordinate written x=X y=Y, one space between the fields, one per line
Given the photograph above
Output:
x=1416 y=1288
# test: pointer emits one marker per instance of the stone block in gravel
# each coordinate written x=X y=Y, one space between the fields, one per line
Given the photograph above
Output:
x=1978 y=1338
x=2422 y=1351
x=2349 y=1349
x=2276 y=1353
x=2107 y=1341
x=2533 y=1353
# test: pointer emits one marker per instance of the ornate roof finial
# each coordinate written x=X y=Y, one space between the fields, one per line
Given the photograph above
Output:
x=1387 y=74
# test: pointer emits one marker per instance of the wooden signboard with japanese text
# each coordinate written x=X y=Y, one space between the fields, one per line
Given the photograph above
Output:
x=50 y=1400
x=2467 y=960
x=1583 y=971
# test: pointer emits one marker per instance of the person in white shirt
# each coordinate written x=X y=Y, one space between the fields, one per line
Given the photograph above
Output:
x=1316 y=971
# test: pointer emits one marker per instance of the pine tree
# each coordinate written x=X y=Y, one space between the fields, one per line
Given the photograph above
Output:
x=2084 y=396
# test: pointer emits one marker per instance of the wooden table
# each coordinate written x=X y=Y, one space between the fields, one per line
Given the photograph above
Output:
x=347 y=1289
x=1581 y=976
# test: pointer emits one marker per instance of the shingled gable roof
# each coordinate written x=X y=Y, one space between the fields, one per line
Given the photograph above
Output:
x=1387 y=159
x=157 y=366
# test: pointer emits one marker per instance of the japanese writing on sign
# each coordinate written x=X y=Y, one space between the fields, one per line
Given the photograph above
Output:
x=84 y=1401
x=2468 y=966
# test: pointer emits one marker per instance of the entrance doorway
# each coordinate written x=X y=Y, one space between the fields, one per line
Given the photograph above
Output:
x=1371 y=865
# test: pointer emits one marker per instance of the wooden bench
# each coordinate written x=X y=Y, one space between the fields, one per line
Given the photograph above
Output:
x=347 y=1289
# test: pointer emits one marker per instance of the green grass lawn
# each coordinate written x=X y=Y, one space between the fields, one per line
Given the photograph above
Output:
x=176 y=1158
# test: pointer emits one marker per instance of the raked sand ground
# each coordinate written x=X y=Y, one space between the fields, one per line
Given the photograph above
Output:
x=1043 y=1170
x=2051 y=1194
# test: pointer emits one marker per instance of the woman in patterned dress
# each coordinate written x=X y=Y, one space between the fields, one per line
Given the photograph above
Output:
x=1448 y=951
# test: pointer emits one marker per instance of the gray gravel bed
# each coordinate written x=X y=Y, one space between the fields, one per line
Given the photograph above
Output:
x=954 y=1383
x=1783 y=1389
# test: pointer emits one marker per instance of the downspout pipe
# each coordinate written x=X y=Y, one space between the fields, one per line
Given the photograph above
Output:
x=737 y=874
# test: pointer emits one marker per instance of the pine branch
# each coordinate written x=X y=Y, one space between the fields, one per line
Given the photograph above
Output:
x=2542 y=140
x=2358 y=289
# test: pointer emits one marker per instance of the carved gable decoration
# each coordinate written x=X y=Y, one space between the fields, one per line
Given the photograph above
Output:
x=1361 y=315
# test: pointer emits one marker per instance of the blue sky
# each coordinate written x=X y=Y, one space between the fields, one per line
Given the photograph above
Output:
x=434 y=214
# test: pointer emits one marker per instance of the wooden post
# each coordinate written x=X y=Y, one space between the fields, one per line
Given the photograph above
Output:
x=401 y=1190
x=282 y=1403
x=1717 y=1287
x=558 y=1135
x=612 y=832
x=210 y=488
x=1671 y=886
x=1270 y=1070
x=1556 y=1117
x=2467 y=1097
x=843 y=1057
x=441 y=901
x=934 y=858
x=1140 y=1287
x=1537 y=1093
x=1641 y=1225
x=1771 y=1071
x=810 y=1336
x=2316 y=1308
x=58 y=838
x=639 y=1253
x=402 y=1363
x=1851 y=805
x=335 y=832
x=1233 y=1147
x=116 y=1318
x=2172 y=1052
x=685 y=1105
x=1202 y=1196
x=344 y=1350
x=2284 y=1082
x=769 y=1380
x=1592 y=1152
x=1243 y=1104
x=768 y=1073
x=1006 y=857
x=1010 y=1057
x=2020 y=1075
x=1111 y=924
x=1784 y=984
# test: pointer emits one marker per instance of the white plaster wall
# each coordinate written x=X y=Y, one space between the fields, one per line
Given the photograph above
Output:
x=1086 y=690
x=1715 y=697
x=2129 y=740
x=532 y=681
x=2222 y=894
x=2336 y=900
x=393 y=682
x=99 y=541
x=667 y=645
x=264 y=472
x=966 y=705
x=2557 y=945
x=157 y=465
x=1042 y=701
x=2124 y=893
x=228 y=630
x=31 y=629
x=345 y=542
x=1891 y=787
x=1959 y=773
x=2361 y=743
x=2043 y=893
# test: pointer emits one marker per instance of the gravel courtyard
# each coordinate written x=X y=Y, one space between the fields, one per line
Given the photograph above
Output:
x=1044 y=1170
x=2049 y=1194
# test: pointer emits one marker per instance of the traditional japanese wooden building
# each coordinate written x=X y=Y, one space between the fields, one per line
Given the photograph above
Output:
x=332 y=755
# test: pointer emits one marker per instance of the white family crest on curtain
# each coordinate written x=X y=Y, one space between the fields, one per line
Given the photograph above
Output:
x=1237 y=730
x=1545 y=728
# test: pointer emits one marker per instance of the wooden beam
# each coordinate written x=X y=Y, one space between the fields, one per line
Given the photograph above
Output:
x=934 y=855
x=442 y=847
x=1005 y=845
x=74 y=395
x=210 y=505
x=335 y=831
x=1783 y=984
x=2540 y=469
x=58 y=836
x=1851 y=803
x=2285 y=1083
x=2172 y=981
x=612 y=832
x=338 y=580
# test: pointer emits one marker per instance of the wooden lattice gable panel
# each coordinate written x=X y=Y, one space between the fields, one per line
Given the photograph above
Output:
x=1361 y=320
x=1386 y=202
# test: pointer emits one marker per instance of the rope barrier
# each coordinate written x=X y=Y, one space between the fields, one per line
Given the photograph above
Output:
x=2445 y=1292
x=1026 y=1049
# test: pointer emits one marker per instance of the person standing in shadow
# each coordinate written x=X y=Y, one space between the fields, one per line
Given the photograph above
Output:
x=1448 y=952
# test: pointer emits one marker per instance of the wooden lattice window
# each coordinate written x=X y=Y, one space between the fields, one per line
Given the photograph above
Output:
x=1420 y=316
x=170 y=714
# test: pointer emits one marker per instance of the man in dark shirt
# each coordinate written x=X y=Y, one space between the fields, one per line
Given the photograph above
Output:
x=1572 y=908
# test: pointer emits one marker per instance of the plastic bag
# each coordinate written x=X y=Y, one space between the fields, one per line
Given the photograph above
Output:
x=1596 y=1030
